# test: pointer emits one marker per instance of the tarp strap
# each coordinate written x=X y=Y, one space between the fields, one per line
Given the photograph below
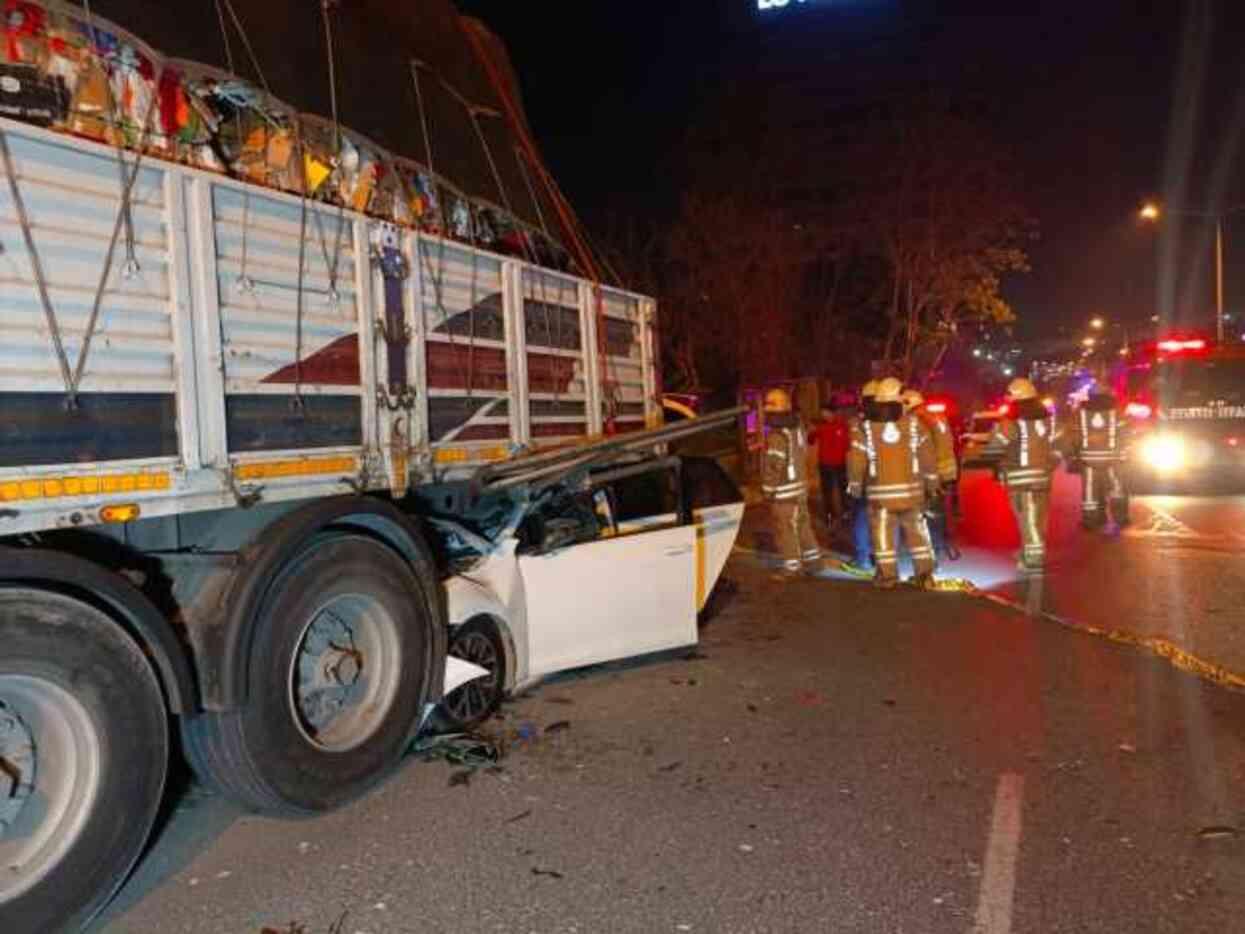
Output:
x=131 y=267
x=527 y=179
x=245 y=282
x=73 y=379
x=49 y=313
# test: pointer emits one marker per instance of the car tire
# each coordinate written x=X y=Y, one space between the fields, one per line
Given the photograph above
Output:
x=480 y=641
x=335 y=686
x=72 y=682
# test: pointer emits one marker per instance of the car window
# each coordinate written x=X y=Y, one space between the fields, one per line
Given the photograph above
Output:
x=706 y=484
x=645 y=495
x=562 y=520
x=983 y=425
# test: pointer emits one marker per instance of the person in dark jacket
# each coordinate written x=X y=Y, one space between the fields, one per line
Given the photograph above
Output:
x=861 y=564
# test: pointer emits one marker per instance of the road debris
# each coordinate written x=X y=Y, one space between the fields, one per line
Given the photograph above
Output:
x=472 y=750
x=1217 y=832
x=551 y=873
x=520 y=816
x=558 y=727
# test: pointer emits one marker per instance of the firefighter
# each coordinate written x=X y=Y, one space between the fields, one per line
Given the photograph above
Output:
x=892 y=463
x=1024 y=444
x=948 y=472
x=861 y=564
x=1099 y=445
x=784 y=482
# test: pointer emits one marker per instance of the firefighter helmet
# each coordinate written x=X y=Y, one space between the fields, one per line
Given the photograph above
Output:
x=911 y=400
x=777 y=400
x=869 y=389
x=1021 y=389
x=889 y=390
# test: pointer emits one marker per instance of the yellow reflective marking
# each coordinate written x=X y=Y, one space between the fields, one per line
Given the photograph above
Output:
x=126 y=512
x=33 y=488
x=302 y=467
x=459 y=455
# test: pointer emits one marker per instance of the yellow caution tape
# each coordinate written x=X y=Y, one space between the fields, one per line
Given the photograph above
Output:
x=1163 y=648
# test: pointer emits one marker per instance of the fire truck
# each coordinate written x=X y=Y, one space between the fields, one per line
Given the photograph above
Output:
x=1184 y=397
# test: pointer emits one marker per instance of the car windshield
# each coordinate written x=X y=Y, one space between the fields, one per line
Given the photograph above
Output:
x=1198 y=381
x=983 y=424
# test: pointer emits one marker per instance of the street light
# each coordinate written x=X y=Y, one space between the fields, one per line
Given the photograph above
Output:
x=1150 y=212
x=1088 y=343
x=1096 y=323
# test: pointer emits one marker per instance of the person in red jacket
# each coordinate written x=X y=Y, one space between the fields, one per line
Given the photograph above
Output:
x=832 y=435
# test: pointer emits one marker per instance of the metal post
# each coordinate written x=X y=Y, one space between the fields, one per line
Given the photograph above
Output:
x=1219 y=278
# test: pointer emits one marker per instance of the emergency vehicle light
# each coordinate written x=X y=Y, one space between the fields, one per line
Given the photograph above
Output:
x=1138 y=410
x=936 y=408
x=1179 y=346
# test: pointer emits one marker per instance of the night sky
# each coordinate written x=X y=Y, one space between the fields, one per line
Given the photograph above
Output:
x=1103 y=104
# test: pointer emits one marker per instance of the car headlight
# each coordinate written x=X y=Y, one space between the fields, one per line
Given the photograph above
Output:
x=1165 y=453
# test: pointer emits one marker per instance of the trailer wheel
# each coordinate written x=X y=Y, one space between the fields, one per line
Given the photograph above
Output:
x=479 y=641
x=335 y=682
x=83 y=756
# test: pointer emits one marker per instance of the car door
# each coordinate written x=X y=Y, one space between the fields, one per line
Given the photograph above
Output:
x=628 y=589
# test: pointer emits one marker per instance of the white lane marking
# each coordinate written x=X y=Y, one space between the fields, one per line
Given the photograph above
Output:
x=1164 y=524
x=998 y=880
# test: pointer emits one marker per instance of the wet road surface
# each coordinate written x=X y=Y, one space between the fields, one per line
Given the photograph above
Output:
x=1176 y=574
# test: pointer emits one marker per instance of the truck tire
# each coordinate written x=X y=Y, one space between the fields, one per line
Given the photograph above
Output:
x=478 y=640
x=83 y=717
x=335 y=682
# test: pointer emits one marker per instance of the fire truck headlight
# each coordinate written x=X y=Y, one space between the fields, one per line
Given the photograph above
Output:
x=1165 y=453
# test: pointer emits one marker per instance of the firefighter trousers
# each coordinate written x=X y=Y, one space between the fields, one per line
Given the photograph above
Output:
x=793 y=532
x=1030 y=507
x=884 y=526
x=1102 y=493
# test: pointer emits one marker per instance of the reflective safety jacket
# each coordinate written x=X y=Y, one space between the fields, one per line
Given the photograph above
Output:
x=1025 y=448
x=892 y=462
x=944 y=446
x=784 y=473
x=1100 y=432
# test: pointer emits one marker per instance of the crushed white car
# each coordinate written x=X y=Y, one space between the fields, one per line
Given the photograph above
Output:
x=615 y=565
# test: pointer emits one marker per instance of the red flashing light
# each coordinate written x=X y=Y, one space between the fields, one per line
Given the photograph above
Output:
x=1005 y=408
x=936 y=408
x=1182 y=346
x=1233 y=442
x=1138 y=410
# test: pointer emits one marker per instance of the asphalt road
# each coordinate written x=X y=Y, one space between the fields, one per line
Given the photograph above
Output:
x=1176 y=574
x=833 y=759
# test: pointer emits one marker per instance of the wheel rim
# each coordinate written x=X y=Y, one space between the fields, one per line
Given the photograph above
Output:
x=49 y=778
x=475 y=698
x=345 y=671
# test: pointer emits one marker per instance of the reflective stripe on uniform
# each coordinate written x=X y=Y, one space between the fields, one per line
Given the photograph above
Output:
x=871 y=451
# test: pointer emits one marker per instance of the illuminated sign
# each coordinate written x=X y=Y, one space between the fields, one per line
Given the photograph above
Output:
x=777 y=4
